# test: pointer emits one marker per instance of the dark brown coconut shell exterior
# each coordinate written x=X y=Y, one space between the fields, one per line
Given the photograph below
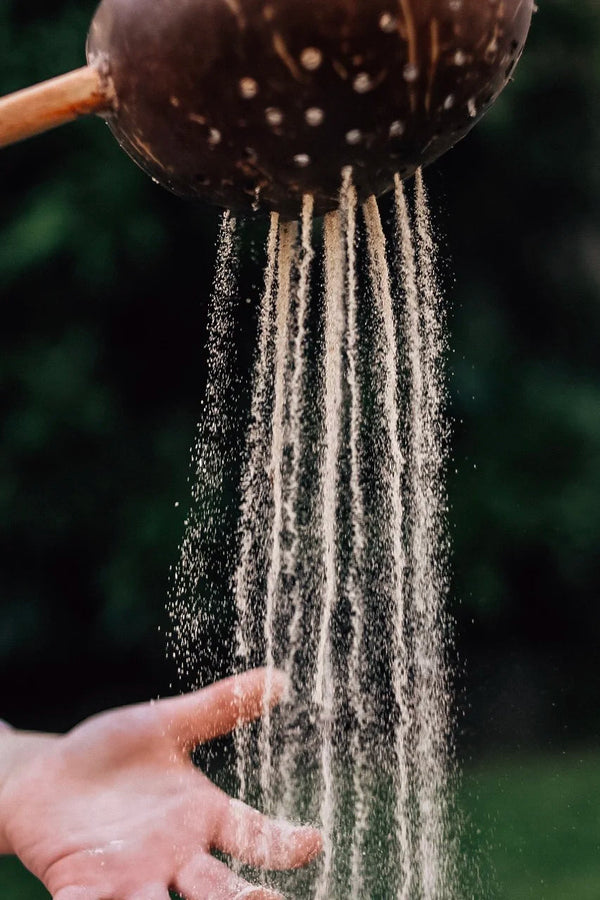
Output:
x=249 y=104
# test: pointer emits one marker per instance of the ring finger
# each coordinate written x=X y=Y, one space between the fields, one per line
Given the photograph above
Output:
x=205 y=878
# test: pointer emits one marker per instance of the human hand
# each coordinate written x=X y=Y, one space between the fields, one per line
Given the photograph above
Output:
x=115 y=810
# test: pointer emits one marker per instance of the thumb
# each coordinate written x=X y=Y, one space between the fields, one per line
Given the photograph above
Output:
x=215 y=711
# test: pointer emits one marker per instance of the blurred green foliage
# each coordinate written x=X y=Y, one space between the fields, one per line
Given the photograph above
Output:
x=104 y=281
x=533 y=827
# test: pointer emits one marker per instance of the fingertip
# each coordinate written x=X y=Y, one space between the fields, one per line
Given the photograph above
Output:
x=309 y=845
x=276 y=684
x=273 y=683
x=317 y=843
x=292 y=846
x=278 y=678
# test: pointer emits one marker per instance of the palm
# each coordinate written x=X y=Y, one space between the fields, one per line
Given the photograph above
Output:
x=116 y=811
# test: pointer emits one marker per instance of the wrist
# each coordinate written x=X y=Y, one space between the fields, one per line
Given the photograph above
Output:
x=17 y=748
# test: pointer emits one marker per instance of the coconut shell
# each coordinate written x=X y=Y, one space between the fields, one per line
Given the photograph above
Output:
x=250 y=104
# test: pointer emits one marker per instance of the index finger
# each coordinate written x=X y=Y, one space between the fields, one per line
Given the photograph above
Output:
x=216 y=710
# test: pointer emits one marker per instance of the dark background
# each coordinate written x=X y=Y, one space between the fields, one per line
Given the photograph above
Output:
x=104 y=282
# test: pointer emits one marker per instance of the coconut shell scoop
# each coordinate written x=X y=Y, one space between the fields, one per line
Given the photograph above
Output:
x=250 y=104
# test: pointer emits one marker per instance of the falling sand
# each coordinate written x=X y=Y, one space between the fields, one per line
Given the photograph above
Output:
x=287 y=236
x=393 y=469
x=254 y=511
x=197 y=589
x=354 y=585
x=340 y=574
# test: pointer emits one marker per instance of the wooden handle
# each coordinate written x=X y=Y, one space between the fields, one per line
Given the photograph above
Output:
x=52 y=103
